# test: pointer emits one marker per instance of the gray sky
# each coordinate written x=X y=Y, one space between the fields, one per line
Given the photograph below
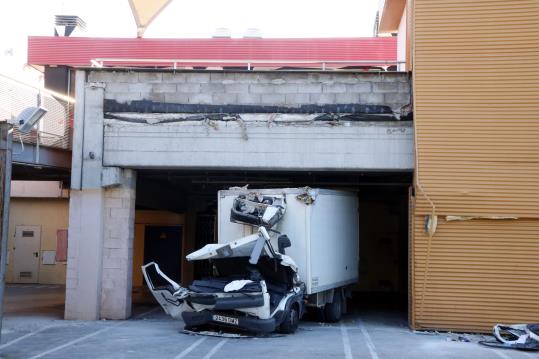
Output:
x=183 y=19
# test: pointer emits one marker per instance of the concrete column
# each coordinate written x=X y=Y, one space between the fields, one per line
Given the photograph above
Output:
x=84 y=261
x=100 y=252
x=118 y=234
x=101 y=218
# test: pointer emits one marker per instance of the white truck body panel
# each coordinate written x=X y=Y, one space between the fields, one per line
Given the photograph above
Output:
x=324 y=234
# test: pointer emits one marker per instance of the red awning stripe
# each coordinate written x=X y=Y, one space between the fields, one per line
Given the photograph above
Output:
x=79 y=51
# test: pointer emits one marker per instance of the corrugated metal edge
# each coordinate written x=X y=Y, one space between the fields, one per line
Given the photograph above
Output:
x=78 y=51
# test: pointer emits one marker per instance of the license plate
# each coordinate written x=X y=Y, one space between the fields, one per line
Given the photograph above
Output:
x=226 y=320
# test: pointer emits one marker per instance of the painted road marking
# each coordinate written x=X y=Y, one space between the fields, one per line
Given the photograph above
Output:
x=75 y=341
x=26 y=336
x=500 y=354
x=346 y=342
x=190 y=348
x=215 y=349
x=368 y=340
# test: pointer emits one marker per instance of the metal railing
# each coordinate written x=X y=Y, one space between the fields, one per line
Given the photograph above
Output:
x=249 y=64
x=54 y=129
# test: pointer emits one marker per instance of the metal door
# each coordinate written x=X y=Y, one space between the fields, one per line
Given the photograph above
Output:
x=26 y=254
x=163 y=245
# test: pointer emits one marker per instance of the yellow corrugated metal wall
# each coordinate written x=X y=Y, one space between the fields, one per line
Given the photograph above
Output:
x=476 y=89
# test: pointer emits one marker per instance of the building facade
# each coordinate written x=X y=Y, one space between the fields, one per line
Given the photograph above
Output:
x=166 y=140
x=149 y=139
x=476 y=128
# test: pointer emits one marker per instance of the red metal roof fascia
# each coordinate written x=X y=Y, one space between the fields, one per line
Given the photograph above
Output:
x=78 y=51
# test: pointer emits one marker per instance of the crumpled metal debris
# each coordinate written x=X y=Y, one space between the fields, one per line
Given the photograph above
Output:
x=515 y=336
x=309 y=196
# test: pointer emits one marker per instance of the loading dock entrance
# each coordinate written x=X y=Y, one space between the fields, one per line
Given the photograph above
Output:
x=383 y=221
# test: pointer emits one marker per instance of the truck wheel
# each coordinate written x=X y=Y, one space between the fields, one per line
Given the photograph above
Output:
x=291 y=320
x=333 y=311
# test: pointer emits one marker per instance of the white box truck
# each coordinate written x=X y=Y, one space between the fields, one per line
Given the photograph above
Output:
x=278 y=251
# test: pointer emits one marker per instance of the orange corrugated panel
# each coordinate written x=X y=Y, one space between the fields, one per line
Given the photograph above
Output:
x=479 y=273
x=477 y=133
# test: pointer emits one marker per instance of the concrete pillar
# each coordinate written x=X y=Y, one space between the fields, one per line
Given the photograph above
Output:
x=84 y=259
x=118 y=235
x=100 y=253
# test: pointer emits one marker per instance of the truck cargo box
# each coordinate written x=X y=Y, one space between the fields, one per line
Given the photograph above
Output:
x=322 y=226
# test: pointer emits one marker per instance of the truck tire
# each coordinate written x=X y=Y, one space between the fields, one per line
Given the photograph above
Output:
x=333 y=311
x=291 y=320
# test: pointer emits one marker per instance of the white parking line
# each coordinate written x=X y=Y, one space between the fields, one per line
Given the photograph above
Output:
x=368 y=340
x=500 y=354
x=75 y=341
x=215 y=349
x=26 y=336
x=346 y=342
x=190 y=348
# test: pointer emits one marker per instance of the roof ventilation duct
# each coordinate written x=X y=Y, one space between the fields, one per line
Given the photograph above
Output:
x=67 y=23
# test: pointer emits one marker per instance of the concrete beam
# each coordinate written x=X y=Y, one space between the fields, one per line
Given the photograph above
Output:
x=267 y=145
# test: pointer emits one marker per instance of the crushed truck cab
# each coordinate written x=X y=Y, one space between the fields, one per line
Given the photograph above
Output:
x=254 y=286
x=262 y=281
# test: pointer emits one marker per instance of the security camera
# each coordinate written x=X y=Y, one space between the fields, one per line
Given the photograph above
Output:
x=29 y=117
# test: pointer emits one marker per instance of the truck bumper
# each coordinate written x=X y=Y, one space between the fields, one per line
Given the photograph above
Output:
x=193 y=319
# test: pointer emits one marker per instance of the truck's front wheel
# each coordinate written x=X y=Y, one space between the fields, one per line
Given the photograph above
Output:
x=333 y=311
x=291 y=320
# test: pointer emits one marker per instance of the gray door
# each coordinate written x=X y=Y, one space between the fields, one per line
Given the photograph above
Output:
x=26 y=254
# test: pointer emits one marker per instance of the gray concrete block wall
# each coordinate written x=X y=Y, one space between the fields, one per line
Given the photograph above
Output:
x=257 y=88
x=118 y=236
x=100 y=253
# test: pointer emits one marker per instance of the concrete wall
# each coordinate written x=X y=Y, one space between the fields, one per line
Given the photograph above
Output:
x=261 y=144
x=252 y=141
x=257 y=88
x=49 y=213
x=101 y=224
x=268 y=136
